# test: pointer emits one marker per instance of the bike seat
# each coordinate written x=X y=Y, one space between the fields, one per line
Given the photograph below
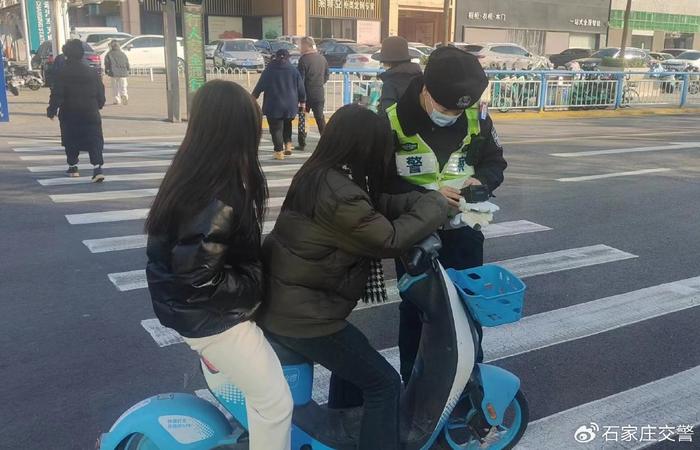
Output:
x=287 y=356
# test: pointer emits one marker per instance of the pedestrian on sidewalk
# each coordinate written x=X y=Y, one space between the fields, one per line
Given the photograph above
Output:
x=204 y=271
x=77 y=97
x=400 y=70
x=313 y=68
x=284 y=94
x=117 y=68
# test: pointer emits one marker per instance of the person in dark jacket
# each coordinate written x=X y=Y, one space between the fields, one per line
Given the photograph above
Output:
x=400 y=70
x=204 y=271
x=313 y=68
x=444 y=142
x=117 y=68
x=77 y=97
x=284 y=95
x=333 y=224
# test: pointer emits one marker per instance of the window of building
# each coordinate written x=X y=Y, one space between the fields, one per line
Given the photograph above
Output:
x=332 y=28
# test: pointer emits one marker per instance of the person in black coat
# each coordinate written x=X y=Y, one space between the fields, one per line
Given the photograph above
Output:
x=313 y=68
x=400 y=70
x=77 y=97
x=284 y=95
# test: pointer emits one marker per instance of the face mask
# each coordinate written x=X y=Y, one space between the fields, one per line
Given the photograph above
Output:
x=441 y=119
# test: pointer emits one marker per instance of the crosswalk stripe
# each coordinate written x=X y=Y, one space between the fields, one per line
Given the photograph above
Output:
x=573 y=258
x=131 y=242
x=106 y=155
x=66 y=181
x=62 y=181
x=277 y=167
x=134 y=241
x=126 y=194
x=668 y=402
x=114 y=146
x=528 y=266
x=617 y=151
x=107 y=216
x=612 y=175
x=567 y=324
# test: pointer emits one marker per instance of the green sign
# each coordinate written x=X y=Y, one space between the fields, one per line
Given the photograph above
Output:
x=38 y=22
x=195 y=65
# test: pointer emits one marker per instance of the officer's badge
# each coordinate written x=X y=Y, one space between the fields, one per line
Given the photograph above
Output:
x=464 y=101
x=409 y=146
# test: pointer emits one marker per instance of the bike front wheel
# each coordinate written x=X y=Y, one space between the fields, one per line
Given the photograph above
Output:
x=460 y=433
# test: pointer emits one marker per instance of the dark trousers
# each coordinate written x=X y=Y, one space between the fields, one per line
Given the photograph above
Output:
x=349 y=355
x=461 y=249
x=281 y=132
x=72 y=154
x=317 y=107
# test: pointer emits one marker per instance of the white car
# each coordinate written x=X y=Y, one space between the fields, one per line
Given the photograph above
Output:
x=506 y=56
x=683 y=62
x=365 y=60
x=148 y=52
x=239 y=54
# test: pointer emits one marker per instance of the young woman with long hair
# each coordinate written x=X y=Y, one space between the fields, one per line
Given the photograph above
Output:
x=204 y=270
x=334 y=226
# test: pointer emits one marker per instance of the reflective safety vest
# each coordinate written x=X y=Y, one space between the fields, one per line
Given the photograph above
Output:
x=416 y=162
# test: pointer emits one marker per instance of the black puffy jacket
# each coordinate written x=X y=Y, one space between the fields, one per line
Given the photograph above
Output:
x=205 y=278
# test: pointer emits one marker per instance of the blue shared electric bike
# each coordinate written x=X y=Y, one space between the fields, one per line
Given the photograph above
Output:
x=451 y=402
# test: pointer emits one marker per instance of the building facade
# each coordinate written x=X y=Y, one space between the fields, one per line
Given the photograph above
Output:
x=657 y=24
x=543 y=27
x=423 y=21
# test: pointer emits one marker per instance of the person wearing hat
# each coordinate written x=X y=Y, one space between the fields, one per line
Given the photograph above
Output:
x=444 y=142
x=400 y=70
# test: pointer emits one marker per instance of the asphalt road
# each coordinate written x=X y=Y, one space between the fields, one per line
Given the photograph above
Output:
x=611 y=263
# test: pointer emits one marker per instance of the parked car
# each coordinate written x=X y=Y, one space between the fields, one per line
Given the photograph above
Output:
x=82 y=32
x=94 y=38
x=210 y=48
x=325 y=43
x=674 y=51
x=459 y=45
x=594 y=61
x=148 y=51
x=660 y=56
x=104 y=44
x=43 y=60
x=269 y=47
x=293 y=39
x=686 y=61
x=508 y=56
x=365 y=60
x=561 y=59
x=424 y=49
x=238 y=53
x=337 y=54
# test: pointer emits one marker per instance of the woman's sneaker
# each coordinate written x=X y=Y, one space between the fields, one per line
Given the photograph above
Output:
x=288 y=148
x=72 y=171
x=97 y=176
x=279 y=155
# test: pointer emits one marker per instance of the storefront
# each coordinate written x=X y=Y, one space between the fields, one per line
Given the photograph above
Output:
x=11 y=39
x=544 y=27
x=96 y=13
x=422 y=20
x=223 y=19
x=657 y=25
x=357 y=20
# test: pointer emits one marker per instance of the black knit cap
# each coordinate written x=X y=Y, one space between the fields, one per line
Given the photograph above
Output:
x=454 y=78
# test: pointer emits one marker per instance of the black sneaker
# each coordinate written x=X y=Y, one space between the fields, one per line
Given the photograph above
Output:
x=97 y=176
x=73 y=171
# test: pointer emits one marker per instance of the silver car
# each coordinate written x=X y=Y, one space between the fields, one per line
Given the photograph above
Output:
x=238 y=53
x=506 y=56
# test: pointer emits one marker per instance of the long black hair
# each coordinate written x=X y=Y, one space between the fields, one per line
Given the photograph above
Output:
x=355 y=140
x=218 y=159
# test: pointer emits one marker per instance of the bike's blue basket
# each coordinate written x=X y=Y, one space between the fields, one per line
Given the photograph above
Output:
x=493 y=295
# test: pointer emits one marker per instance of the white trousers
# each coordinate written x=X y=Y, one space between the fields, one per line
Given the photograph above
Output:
x=119 y=88
x=244 y=356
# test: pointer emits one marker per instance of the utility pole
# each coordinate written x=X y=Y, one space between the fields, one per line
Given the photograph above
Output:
x=625 y=29
x=172 y=77
x=25 y=31
x=446 y=13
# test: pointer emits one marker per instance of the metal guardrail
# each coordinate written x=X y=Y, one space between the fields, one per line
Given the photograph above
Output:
x=551 y=89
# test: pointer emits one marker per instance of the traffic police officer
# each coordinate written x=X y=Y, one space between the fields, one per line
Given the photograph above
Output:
x=444 y=141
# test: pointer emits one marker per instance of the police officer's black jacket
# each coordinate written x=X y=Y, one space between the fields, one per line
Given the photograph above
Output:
x=207 y=276
x=485 y=153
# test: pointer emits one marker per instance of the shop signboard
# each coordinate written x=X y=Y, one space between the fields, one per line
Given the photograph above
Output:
x=552 y=15
x=222 y=27
x=38 y=22
x=193 y=32
x=369 y=32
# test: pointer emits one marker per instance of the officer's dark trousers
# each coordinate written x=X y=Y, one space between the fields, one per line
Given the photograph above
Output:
x=461 y=249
